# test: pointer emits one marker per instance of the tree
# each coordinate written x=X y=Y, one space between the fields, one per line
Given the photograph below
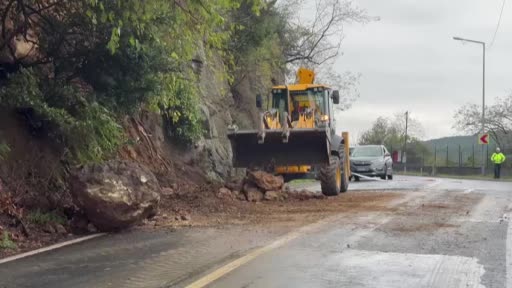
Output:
x=318 y=40
x=315 y=43
x=390 y=132
x=414 y=127
x=378 y=134
x=80 y=65
x=498 y=119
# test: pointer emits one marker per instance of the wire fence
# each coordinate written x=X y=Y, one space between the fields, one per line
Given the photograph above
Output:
x=451 y=159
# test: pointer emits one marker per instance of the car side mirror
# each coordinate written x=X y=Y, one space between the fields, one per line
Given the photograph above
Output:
x=336 y=97
x=387 y=154
x=259 y=101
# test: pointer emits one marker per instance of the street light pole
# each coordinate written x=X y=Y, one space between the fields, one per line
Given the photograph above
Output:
x=405 y=142
x=483 y=94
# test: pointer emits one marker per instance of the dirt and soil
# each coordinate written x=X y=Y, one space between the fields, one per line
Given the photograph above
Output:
x=187 y=198
x=206 y=207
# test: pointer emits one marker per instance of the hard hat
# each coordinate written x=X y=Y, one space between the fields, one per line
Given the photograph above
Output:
x=498 y=149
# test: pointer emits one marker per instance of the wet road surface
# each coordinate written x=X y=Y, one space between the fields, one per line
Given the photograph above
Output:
x=438 y=233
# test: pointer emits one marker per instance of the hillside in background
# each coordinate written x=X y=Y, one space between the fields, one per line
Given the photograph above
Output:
x=466 y=142
x=467 y=145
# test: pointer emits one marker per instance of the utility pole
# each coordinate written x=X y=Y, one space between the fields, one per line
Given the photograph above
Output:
x=404 y=158
x=484 y=160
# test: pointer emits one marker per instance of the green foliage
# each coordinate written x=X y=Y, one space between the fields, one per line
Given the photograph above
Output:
x=391 y=133
x=98 y=60
x=41 y=218
x=89 y=131
x=256 y=42
x=6 y=242
x=139 y=21
x=178 y=102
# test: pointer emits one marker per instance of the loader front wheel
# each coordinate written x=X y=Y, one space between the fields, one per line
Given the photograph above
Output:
x=331 y=177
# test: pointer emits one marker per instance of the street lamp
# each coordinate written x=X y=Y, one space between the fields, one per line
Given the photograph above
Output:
x=483 y=93
x=405 y=141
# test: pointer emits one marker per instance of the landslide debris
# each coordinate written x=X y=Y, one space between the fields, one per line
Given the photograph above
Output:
x=260 y=186
x=116 y=194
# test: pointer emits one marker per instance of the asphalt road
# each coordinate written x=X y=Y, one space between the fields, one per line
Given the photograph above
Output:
x=438 y=233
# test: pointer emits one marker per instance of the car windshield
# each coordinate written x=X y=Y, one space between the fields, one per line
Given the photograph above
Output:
x=367 y=151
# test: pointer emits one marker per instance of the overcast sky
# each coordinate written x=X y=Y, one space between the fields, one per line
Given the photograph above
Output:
x=409 y=61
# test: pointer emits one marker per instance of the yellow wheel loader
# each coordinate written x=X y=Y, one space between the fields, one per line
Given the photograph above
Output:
x=297 y=129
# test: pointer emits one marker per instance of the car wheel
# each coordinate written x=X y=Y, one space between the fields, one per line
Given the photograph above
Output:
x=383 y=177
x=390 y=176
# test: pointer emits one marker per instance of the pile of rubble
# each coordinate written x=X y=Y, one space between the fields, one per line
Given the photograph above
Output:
x=262 y=186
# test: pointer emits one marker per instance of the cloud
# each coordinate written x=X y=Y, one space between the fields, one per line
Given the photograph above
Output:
x=409 y=61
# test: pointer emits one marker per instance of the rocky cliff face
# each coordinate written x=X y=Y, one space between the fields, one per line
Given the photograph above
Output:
x=223 y=105
x=214 y=153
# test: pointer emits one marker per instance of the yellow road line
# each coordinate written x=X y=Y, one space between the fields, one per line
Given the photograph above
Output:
x=210 y=278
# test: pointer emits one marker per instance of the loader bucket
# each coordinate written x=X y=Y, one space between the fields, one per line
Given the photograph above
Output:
x=304 y=147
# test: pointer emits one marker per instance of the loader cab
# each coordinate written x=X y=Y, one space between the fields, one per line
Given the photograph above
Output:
x=314 y=102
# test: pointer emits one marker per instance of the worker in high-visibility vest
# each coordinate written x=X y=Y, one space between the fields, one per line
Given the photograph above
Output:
x=498 y=158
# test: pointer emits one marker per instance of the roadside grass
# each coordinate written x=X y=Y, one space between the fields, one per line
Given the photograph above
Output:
x=6 y=243
x=42 y=218
x=302 y=181
x=468 y=177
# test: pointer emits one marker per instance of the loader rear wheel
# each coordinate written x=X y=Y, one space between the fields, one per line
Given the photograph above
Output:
x=331 y=177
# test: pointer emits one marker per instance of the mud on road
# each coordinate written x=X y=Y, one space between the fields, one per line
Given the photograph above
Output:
x=300 y=209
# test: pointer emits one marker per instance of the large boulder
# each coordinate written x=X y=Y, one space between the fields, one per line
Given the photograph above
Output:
x=265 y=181
x=116 y=194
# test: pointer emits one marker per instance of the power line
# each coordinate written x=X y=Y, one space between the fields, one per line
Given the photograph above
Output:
x=498 y=25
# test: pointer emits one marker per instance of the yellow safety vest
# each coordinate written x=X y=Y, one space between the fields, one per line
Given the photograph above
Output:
x=498 y=158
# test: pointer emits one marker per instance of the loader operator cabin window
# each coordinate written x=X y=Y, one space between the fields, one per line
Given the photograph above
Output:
x=279 y=100
x=309 y=99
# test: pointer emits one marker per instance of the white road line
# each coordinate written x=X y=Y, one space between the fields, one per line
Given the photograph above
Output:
x=52 y=247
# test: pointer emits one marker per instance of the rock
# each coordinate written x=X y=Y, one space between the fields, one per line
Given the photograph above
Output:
x=48 y=228
x=116 y=194
x=79 y=224
x=252 y=193
x=91 y=228
x=209 y=129
x=265 y=181
x=305 y=195
x=272 y=195
x=225 y=193
x=240 y=196
x=59 y=228
x=166 y=191
x=234 y=186
x=185 y=217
